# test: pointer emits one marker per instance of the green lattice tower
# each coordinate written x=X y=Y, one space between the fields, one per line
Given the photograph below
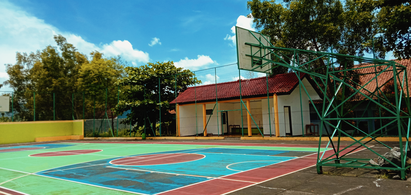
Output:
x=336 y=77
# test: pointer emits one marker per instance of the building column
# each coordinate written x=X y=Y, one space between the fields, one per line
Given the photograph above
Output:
x=204 y=120
x=250 y=133
x=276 y=120
x=178 y=120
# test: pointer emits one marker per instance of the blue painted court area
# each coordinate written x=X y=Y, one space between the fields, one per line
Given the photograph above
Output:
x=151 y=179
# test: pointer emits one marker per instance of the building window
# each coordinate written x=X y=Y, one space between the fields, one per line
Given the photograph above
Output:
x=209 y=112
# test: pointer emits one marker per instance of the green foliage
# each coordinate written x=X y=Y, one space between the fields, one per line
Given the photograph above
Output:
x=142 y=88
x=68 y=75
x=394 y=18
x=350 y=29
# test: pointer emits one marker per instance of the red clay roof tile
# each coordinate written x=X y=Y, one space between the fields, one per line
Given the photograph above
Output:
x=278 y=84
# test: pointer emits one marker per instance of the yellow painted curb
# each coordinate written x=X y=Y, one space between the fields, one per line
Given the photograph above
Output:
x=58 y=138
x=382 y=139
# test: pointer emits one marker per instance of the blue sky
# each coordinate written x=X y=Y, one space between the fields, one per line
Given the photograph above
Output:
x=195 y=34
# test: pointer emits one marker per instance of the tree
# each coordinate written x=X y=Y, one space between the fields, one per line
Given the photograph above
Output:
x=394 y=19
x=62 y=72
x=98 y=79
x=142 y=88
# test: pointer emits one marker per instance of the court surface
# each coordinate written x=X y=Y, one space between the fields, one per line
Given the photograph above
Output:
x=146 y=167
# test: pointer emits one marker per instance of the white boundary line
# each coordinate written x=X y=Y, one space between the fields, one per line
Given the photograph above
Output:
x=283 y=174
x=1 y=187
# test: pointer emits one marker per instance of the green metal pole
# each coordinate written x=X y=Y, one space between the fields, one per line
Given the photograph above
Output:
x=195 y=103
x=216 y=100
x=12 y=101
x=301 y=105
x=175 y=95
x=94 y=115
x=398 y=114
x=144 y=90
x=84 y=106
x=72 y=105
x=34 y=106
x=159 y=100
x=54 y=106
x=268 y=101
x=241 y=103
x=130 y=127
x=118 y=100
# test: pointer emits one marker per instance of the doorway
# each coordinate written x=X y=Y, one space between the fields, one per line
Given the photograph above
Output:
x=287 y=121
x=224 y=121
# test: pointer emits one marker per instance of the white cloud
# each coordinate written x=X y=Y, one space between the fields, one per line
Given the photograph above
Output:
x=195 y=64
x=154 y=41
x=125 y=49
x=22 y=32
x=243 y=22
x=210 y=79
x=4 y=75
x=236 y=78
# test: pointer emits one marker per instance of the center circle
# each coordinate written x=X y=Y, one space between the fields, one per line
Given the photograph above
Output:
x=157 y=159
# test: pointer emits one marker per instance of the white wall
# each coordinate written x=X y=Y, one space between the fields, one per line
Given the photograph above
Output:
x=188 y=119
x=293 y=100
x=259 y=111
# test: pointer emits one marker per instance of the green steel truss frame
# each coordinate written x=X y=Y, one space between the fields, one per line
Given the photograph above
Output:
x=336 y=77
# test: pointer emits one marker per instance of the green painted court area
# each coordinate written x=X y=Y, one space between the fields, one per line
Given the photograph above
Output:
x=139 y=167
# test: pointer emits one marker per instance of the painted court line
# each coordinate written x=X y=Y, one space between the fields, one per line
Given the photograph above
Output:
x=8 y=191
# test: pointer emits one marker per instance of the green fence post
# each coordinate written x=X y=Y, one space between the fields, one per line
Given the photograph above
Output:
x=84 y=102
x=268 y=100
x=54 y=106
x=12 y=101
x=72 y=105
x=34 y=106
x=94 y=115
x=118 y=100
x=159 y=100
x=216 y=100
x=241 y=103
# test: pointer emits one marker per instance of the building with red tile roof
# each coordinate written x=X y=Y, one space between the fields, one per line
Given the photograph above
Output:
x=199 y=113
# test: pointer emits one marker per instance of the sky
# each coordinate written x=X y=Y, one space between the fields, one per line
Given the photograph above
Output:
x=195 y=35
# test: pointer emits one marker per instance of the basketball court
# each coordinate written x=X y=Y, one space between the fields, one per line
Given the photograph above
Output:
x=146 y=167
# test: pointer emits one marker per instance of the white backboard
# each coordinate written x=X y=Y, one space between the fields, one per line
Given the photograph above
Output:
x=4 y=104
x=244 y=36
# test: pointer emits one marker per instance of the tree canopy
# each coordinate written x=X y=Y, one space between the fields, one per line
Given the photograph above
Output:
x=61 y=72
x=347 y=28
x=148 y=90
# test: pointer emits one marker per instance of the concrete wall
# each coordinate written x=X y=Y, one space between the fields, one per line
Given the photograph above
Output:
x=19 y=132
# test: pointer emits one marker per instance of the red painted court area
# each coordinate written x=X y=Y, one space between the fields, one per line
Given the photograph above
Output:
x=20 y=149
x=157 y=159
x=65 y=153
